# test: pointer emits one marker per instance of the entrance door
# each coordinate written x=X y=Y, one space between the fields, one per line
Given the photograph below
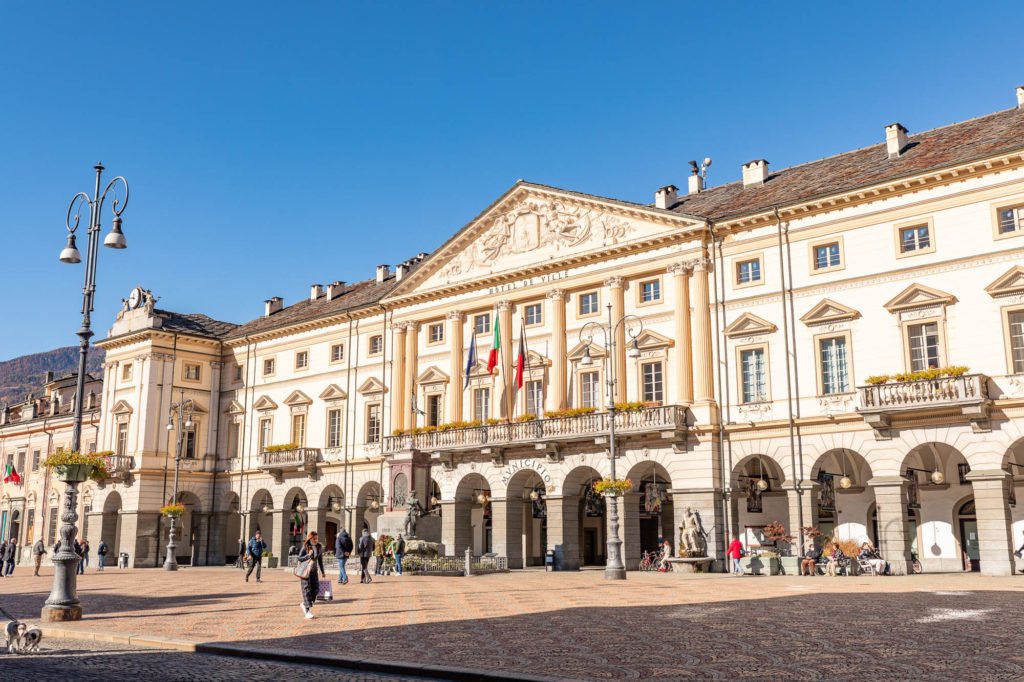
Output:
x=969 y=543
x=330 y=534
x=589 y=546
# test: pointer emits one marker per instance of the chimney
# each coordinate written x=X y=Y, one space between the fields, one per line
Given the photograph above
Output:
x=272 y=305
x=696 y=182
x=420 y=256
x=49 y=377
x=1020 y=97
x=90 y=400
x=895 y=139
x=755 y=172
x=54 y=405
x=314 y=291
x=334 y=290
x=666 y=196
x=400 y=271
x=5 y=415
x=382 y=273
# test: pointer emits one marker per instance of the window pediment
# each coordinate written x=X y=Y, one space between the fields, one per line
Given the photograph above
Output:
x=264 y=403
x=297 y=398
x=371 y=386
x=122 y=407
x=333 y=392
x=827 y=311
x=432 y=375
x=650 y=340
x=748 y=324
x=596 y=351
x=918 y=296
x=234 y=407
x=1010 y=282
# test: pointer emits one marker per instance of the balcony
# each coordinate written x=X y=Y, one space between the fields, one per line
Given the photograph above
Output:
x=118 y=467
x=966 y=394
x=546 y=434
x=279 y=462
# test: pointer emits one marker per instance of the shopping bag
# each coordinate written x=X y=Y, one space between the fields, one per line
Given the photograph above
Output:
x=325 y=590
x=303 y=568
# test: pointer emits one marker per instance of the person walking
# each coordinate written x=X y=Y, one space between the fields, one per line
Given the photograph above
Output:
x=735 y=552
x=399 y=549
x=255 y=548
x=83 y=563
x=342 y=550
x=38 y=550
x=9 y=555
x=378 y=553
x=240 y=559
x=365 y=551
x=311 y=551
x=101 y=553
x=3 y=553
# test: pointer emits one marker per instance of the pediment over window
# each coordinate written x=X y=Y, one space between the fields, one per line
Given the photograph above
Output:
x=918 y=296
x=747 y=324
x=297 y=398
x=432 y=375
x=371 y=386
x=479 y=369
x=333 y=392
x=264 y=403
x=827 y=311
x=648 y=340
x=122 y=407
x=234 y=407
x=535 y=360
x=596 y=351
x=1010 y=282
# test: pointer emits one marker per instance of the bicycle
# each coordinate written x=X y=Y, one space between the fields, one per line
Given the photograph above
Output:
x=648 y=561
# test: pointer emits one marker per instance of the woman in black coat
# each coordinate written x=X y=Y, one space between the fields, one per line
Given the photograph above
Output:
x=311 y=550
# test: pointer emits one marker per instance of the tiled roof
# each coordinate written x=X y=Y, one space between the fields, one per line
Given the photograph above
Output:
x=958 y=143
x=194 y=323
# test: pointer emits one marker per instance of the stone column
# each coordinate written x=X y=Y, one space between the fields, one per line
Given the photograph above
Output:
x=564 y=530
x=506 y=357
x=556 y=398
x=398 y=404
x=615 y=297
x=507 y=530
x=316 y=519
x=702 y=361
x=139 y=538
x=995 y=544
x=891 y=505
x=707 y=503
x=456 y=527
x=215 y=551
x=412 y=338
x=456 y=366
x=803 y=510
x=684 y=342
x=631 y=549
x=277 y=542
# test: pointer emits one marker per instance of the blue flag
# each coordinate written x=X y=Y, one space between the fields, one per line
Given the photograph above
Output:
x=470 y=359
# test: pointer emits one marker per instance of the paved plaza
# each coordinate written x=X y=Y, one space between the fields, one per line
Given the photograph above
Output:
x=577 y=625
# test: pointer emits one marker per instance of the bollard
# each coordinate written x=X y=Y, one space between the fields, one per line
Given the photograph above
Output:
x=469 y=561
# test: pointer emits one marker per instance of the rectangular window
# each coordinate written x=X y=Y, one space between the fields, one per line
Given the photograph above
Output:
x=588 y=303
x=268 y=366
x=51 y=532
x=122 y=438
x=654 y=390
x=1016 y=320
x=376 y=344
x=35 y=460
x=21 y=462
x=590 y=391
x=924 y=346
x=92 y=446
x=334 y=428
x=338 y=352
x=238 y=372
x=191 y=372
x=534 y=314
x=482 y=323
x=748 y=271
x=482 y=404
x=32 y=525
x=826 y=256
x=534 y=397
x=752 y=362
x=435 y=333
x=188 y=444
x=299 y=430
x=434 y=409
x=917 y=238
x=302 y=359
x=126 y=372
x=1011 y=219
x=650 y=291
x=835 y=377
x=233 y=441
x=266 y=434
x=373 y=423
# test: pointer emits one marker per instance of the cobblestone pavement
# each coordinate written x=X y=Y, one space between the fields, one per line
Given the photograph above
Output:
x=88 y=661
x=926 y=627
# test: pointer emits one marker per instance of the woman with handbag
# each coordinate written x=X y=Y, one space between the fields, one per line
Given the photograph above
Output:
x=311 y=558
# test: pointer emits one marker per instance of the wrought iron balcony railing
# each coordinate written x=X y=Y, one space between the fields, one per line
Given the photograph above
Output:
x=277 y=462
x=967 y=393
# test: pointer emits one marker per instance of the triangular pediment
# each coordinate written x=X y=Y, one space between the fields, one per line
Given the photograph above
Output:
x=121 y=407
x=532 y=229
x=370 y=386
x=1010 y=282
x=333 y=392
x=827 y=311
x=432 y=375
x=297 y=398
x=918 y=296
x=479 y=369
x=233 y=407
x=535 y=360
x=264 y=403
x=650 y=340
x=747 y=324
x=577 y=352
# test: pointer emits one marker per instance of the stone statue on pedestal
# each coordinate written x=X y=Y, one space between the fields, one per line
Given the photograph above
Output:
x=415 y=511
x=692 y=540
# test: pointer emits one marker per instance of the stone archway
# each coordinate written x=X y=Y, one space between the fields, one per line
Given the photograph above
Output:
x=841 y=499
x=467 y=519
x=758 y=498
x=577 y=521
x=110 y=527
x=261 y=519
x=329 y=517
x=520 y=523
x=228 y=530
x=648 y=515
x=293 y=525
x=369 y=505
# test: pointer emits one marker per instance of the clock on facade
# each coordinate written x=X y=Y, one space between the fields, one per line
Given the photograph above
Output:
x=135 y=298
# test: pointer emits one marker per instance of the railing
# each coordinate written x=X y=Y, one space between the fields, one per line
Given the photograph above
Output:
x=296 y=458
x=661 y=418
x=924 y=393
x=448 y=565
x=118 y=466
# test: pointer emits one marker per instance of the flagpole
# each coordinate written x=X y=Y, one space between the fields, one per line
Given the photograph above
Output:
x=509 y=405
x=526 y=355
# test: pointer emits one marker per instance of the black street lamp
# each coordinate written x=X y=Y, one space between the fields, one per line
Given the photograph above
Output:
x=63 y=603
x=182 y=408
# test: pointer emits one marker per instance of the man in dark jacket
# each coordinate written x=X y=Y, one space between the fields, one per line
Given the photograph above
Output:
x=38 y=550
x=342 y=550
x=256 y=548
x=366 y=545
x=9 y=556
x=101 y=552
x=399 y=551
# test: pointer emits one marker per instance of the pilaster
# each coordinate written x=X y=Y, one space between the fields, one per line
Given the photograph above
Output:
x=412 y=338
x=684 y=341
x=398 y=400
x=564 y=531
x=505 y=360
x=891 y=506
x=995 y=546
x=615 y=287
x=456 y=366
x=702 y=361
x=556 y=398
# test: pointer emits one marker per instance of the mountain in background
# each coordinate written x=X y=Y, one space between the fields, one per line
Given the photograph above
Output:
x=27 y=374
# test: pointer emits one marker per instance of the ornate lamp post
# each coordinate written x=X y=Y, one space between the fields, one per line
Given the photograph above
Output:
x=182 y=408
x=63 y=603
x=614 y=568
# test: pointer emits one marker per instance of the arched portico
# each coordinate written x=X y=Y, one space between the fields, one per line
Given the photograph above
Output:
x=328 y=517
x=110 y=526
x=466 y=520
x=841 y=498
x=261 y=519
x=576 y=521
x=520 y=520
x=647 y=513
x=758 y=498
x=369 y=504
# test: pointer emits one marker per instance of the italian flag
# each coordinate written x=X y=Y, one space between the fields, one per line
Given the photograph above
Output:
x=492 y=359
x=11 y=475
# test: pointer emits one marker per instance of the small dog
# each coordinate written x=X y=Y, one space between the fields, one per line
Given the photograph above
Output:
x=21 y=638
x=15 y=632
x=30 y=640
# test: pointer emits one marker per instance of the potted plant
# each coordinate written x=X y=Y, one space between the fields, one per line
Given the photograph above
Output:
x=271 y=559
x=72 y=466
x=613 y=487
x=172 y=510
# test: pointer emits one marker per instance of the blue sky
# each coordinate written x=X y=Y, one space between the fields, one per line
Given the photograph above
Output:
x=273 y=145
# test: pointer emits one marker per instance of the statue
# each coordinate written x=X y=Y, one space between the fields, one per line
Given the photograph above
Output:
x=412 y=516
x=692 y=539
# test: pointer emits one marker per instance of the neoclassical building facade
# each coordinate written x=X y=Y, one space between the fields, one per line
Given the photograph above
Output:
x=838 y=344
